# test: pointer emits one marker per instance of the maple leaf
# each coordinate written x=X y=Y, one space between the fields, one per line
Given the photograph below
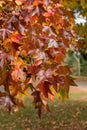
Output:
x=69 y=81
x=18 y=74
x=44 y=87
x=16 y=37
x=13 y=43
x=37 y=102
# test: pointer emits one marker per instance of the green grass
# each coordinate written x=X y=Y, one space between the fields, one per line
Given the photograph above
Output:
x=68 y=115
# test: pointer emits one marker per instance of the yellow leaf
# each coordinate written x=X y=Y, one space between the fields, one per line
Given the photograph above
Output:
x=1 y=3
x=13 y=90
x=24 y=94
x=49 y=7
x=55 y=73
x=19 y=2
x=53 y=90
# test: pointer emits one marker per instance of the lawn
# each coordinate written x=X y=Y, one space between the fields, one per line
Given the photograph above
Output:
x=68 y=115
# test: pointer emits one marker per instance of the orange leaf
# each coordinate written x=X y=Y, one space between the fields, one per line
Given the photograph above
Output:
x=37 y=2
x=18 y=74
x=59 y=57
x=16 y=37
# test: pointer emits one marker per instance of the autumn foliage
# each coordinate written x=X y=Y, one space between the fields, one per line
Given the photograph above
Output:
x=34 y=36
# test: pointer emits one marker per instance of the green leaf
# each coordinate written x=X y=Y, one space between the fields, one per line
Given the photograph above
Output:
x=62 y=94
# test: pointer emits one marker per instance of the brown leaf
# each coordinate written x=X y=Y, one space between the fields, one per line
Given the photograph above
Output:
x=37 y=102
x=44 y=88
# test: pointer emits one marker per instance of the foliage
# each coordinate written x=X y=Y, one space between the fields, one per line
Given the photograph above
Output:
x=34 y=36
x=80 y=8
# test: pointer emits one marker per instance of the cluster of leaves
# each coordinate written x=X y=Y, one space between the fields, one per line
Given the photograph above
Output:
x=34 y=36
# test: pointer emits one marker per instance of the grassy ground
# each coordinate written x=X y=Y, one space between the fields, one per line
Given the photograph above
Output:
x=68 y=115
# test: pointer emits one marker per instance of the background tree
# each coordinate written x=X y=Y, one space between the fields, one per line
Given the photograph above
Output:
x=80 y=10
x=79 y=7
x=34 y=36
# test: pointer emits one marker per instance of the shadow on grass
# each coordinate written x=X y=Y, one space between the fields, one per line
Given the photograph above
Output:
x=70 y=115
